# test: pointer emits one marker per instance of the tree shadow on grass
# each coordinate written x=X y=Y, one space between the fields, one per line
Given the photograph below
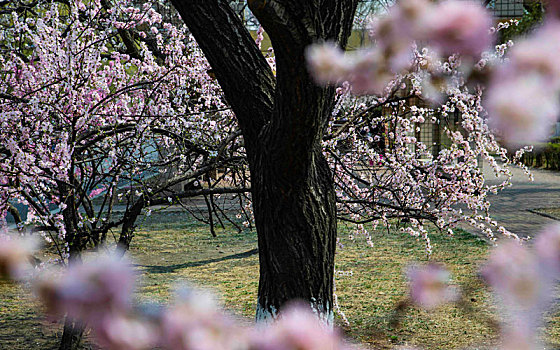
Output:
x=174 y=267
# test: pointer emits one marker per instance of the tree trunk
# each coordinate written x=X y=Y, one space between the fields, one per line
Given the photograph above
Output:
x=283 y=122
x=129 y=225
x=296 y=225
x=73 y=330
x=71 y=335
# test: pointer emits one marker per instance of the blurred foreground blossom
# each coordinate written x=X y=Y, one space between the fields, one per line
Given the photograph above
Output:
x=122 y=332
x=98 y=293
x=15 y=253
x=327 y=63
x=448 y=27
x=547 y=248
x=523 y=99
x=521 y=109
x=195 y=322
x=524 y=281
x=88 y=291
x=297 y=328
x=520 y=337
x=458 y=27
x=429 y=285
x=513 y=272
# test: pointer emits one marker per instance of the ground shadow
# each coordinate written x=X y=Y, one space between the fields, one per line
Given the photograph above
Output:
x=174 y=267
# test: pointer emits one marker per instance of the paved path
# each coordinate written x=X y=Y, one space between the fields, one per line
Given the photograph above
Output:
x=511 y=207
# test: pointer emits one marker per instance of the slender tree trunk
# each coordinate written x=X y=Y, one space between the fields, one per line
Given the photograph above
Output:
x=71 y=335
x=129 y=225
x=73 y=330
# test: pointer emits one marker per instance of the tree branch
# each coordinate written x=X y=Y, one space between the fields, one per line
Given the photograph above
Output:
x=246 y=78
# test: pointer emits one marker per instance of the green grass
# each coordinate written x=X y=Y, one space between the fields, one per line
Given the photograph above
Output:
x=169 y=249
x=378 y=284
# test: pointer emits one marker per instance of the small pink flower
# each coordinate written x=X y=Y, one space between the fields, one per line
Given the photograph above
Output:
x=429 y=285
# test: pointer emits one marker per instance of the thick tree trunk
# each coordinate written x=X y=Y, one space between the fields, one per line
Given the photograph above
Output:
x=296 y=225
x=283 y=122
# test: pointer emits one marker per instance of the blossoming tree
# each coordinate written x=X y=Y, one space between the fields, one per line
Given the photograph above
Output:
x=96 y=126
x=91 y=120
x=99 y=95
x=314 y=152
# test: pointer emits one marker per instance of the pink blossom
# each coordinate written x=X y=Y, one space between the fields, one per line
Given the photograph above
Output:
x=519 y=336
x=547 y=248
x=521 y=109
x=396 y=32
x=524 y=287
x=120 y=332
x=458 y=27
x=89 y=291
x=402 y=24
x=513 y=272
x=368 y=73
x=429 y=285
x=327 y=63
x=523 y=99
x=196 y=323
x=297 y=328
x=14 y=256
x=260 y=37
x=535 y=55
x=94 y=193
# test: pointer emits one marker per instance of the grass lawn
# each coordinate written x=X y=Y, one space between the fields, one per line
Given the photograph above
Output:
x=170 y=249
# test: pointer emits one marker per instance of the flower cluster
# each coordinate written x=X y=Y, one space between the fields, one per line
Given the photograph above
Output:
x=525 y=280
x=15 y=254
x=89 y=119
x=449 y=27
x=98 y=293
x=523 y=96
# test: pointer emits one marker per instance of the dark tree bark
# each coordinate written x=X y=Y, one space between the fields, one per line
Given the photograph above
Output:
x=283 y=121
x=71 y=335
